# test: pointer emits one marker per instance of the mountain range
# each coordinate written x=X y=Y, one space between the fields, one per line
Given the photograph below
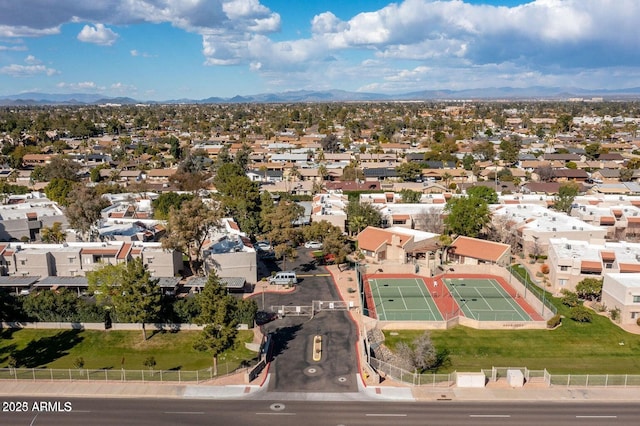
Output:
x=494 y=93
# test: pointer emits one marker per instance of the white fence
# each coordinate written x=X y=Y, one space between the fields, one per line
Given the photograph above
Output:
x=117 y=375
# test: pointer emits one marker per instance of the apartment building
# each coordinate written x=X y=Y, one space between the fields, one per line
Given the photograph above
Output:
x=535 y=226
x=571 y=261
x=76 y=259
x=622 y=291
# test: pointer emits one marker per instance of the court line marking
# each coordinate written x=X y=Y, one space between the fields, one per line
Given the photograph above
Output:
x=510 y=300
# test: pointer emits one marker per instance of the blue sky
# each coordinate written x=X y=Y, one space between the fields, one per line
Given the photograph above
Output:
x=172 y=49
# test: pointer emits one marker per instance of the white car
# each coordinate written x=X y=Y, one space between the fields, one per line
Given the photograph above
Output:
x=263 y=245
x=313 y=245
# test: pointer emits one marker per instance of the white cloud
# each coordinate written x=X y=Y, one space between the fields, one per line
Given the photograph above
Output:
x=82 y=86
x=13 y=48
x=453 y=39
x=32 y=60
x=123 y=89
x=98 y=35
x=16 y=70
x=137 y=53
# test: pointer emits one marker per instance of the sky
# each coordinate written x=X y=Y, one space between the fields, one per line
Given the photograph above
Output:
x=175 y=49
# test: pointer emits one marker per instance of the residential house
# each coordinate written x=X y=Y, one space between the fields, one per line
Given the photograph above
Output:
x=473 y=251
x=395 y=245
x=622 y=291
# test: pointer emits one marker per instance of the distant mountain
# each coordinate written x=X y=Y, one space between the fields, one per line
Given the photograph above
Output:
x=490 y=93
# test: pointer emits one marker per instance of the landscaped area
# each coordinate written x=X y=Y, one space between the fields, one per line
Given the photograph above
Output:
x=115 y=350
x=598 y=347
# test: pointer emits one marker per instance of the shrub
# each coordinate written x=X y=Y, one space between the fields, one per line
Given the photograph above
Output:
x=638 y=321
x=614 y=314
x=544 y=268
x=569 y=298
x=554 y=321
x=580 y=314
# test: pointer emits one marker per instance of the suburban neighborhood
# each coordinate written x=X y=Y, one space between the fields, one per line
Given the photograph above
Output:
x=538 y=201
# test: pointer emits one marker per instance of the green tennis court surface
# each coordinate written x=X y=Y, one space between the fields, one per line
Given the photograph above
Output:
x=485 y=300
x=405 y=299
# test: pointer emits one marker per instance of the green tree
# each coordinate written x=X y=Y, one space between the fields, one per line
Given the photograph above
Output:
x=53 y=234
x=569 y=298
x=361 y=215
x=509 y=151
x=52 y=306
x=409 y=172
x=592 y=150
x=566 y=194
x=166 y=201
x=466 y=216
x=218 y=315
x=468 y=162
x=84 y=208
x=410 y=197
x=284 y=236
x=58 y=190
x=488 y=194
x=589 y=289
x=239 y=196
x=626 y=175
x=188 y=228
x=134 y=295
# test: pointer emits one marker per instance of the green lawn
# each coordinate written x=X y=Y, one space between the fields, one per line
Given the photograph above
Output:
x=573 y=348
x=107 y=349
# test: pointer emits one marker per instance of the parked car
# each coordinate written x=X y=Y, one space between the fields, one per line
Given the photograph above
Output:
x=263 y=317
x=263 y=245
x=313 y=245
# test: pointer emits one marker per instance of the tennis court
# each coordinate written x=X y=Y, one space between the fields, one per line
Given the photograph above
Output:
x=403 y=299
x=485 y=300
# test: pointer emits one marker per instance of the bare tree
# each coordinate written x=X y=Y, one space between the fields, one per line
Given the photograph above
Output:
x=430 y=220
x=503 y=230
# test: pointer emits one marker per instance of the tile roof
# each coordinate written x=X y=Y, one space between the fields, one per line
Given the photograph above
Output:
x=372 y=238
x=591 y=266
x=479 y=249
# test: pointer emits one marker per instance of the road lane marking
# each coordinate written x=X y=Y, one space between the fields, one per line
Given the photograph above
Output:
x=386 y=415
x=184 y=412
x=596 y=417
x=490 y=415
x=275 y=414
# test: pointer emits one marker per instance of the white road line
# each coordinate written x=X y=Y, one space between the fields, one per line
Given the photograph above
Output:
x=184 y=412
x=275 y=414
x=490 y=415
x=596 y=417
x=386 y=415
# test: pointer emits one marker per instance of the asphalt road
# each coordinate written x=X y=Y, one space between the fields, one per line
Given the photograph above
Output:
x=248 y=412
x=293 y=368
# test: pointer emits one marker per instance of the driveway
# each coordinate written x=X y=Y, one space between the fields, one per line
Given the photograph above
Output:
x=293 y=368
